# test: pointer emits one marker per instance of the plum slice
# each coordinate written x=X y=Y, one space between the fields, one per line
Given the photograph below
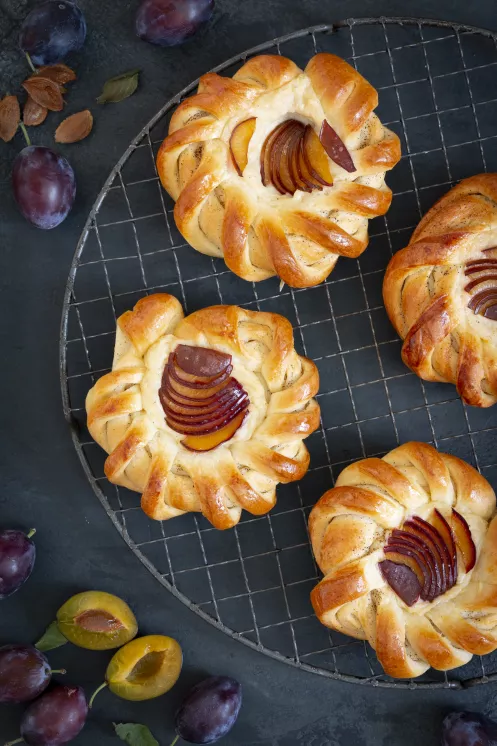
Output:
x=207 y=426
x=335 y=147
x=240 y=141
x=212 y=440
x=266 y=153
x=402 y=580
x=201 y=361
x=445 y=531
x=316 y=158
x=426 y=560
x=439 y=550
x=464 y=541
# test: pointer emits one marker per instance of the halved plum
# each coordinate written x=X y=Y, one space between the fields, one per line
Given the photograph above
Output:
x=201 y=361
x=464 y=540
x=402 y=580
x=212 y=440
x=316 y=158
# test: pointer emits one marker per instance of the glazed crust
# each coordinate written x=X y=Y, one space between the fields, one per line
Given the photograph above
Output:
x=349 y=527
x=261 y=233
x=126 y=418
x=425 y=296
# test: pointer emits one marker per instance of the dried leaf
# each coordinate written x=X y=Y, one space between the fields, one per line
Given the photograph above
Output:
x=45 y=92
x=59 y=73
x=118 y=88
x=33 y=114
x=10 y=115
x=51 y=639
x=75 y=128
x=135 y=735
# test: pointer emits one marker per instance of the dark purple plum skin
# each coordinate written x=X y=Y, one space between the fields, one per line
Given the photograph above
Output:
x=17 y=559
x=56 y=717
x=468 y=729
x=44 y=186
x=24 y=673
x=52 y=30
x=171 y=22
x=210 y=710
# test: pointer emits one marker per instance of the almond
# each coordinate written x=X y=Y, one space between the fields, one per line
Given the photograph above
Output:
x=60 y=73
x=75 y=128
x=33 y=113
x=45 y=92
x=10 y=115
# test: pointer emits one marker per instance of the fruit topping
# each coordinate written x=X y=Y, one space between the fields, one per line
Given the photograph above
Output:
x=24 y=673
x=97 y=621
x=402 y=580
x=293 y=158
x=200 y=398
x=210 y=710
x=335 y=148
x=428 y=549
x=143 y=669
x=17 y=559
x=171 y=22
x=240 y=141
x=483 y=286
x=52 y=30
x=464 y=541
x=55 y=718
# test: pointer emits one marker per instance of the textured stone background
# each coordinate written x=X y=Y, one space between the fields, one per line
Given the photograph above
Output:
x=41 y=481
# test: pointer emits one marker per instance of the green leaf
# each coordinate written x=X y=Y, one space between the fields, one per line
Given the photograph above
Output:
x=118 y=88
x=135 y=735
x=52 y=639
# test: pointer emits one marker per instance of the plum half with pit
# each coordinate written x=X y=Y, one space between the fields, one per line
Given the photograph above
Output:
x=97 y=621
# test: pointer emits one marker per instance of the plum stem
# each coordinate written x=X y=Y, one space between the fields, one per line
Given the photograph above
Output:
x=175 y=740
x=32 y=531
x=28 y=143
x=30 y=63
x=11 y=743
x=102 y=686
x=58 y=670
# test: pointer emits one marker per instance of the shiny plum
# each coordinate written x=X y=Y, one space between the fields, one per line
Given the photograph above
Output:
x=17 y=559
x=56 y=717
x=169 y=23
x=44 y=186
x=24 y=673
x=52 y=30
x=468 y=729
x=210 y=710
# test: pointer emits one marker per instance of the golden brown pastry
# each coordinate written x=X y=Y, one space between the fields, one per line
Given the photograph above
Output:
x=277 y=169
x=204 y=413
x=408 y=548
x=441 y=292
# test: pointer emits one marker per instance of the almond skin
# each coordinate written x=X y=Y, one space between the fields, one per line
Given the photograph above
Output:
x=33 y=114
x=10 y=116
x=45 y=92
x=59 y=73
x=75 y=128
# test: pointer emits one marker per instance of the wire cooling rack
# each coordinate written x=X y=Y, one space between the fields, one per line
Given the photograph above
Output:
x=436 y=83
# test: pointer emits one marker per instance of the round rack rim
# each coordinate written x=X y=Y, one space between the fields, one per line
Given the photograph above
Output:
x=375 y=681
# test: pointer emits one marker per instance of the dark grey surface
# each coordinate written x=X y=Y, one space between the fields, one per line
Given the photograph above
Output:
x=42 y=481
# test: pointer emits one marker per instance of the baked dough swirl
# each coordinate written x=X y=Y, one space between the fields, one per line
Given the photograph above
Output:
x=259 y=231
x=351 y=528
x=441 y=292
x=125 y=414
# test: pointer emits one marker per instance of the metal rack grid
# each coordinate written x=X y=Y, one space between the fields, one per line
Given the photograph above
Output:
x=435 y=83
